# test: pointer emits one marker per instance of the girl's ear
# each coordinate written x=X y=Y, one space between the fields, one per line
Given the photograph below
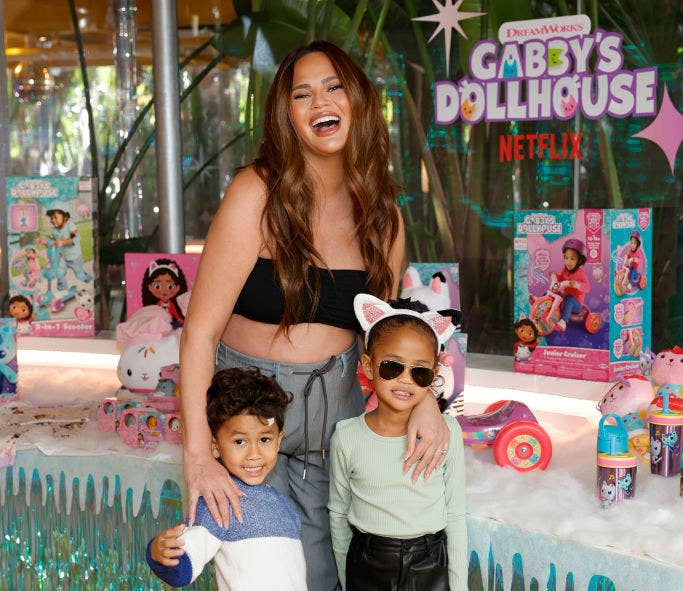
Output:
x=366 y=363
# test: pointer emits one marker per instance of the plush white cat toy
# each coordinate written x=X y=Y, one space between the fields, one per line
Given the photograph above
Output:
x=435 y=295
x=139 y=368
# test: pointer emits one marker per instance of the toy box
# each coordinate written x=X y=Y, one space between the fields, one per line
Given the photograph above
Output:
x=160 y=279
x=582 y=303
x=437 y=285
x=8 y=359
x=51 y=255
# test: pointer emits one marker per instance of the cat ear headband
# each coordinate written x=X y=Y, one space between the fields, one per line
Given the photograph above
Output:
x=153 y=266
x=370 y=310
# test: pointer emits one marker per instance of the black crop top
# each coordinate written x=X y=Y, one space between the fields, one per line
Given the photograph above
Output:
x=262 y=299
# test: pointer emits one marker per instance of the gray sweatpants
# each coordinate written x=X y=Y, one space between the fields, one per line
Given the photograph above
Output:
x=324 y=393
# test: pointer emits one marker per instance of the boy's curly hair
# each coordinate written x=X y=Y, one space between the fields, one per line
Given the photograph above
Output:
x=237 y=391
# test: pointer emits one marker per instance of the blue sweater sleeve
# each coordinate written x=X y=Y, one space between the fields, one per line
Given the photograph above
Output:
x=176 y=576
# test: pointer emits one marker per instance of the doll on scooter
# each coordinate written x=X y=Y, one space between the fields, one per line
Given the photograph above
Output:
x=572 y=282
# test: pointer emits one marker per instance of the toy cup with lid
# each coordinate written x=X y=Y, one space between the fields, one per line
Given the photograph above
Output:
x=665 y=440
x=616 y=464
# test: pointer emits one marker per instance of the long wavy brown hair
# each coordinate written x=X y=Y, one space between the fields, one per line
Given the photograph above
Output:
x=290 y=194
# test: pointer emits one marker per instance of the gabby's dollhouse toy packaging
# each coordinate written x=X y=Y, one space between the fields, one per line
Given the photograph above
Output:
x=8 y=359
x=51 y=255
x=582 y=281
x=160 y=279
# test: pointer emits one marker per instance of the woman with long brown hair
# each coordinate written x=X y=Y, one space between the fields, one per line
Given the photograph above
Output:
x=302 y=230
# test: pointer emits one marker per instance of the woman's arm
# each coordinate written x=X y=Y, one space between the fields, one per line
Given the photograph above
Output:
x=232 y=247
x=426 y=421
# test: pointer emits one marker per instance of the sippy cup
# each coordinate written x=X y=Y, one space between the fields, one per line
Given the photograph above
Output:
x=665 y=440
x=616 y=464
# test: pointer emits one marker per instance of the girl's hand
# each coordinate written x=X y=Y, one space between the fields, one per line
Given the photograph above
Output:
x=427 y=424
x=205 y=477
x=166 y=547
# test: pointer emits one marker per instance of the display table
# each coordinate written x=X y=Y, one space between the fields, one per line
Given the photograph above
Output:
x=81 y=507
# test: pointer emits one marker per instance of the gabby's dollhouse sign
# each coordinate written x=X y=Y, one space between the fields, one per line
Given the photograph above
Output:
x=539 y=70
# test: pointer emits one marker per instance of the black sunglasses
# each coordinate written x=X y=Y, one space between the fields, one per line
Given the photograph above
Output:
x=390 y=370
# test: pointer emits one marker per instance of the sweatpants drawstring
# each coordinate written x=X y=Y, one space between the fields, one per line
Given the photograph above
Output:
x=316 y=374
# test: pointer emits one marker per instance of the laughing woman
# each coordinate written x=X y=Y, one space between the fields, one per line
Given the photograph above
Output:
x=308 y=225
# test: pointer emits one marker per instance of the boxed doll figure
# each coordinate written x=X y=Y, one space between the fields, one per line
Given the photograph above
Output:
x=51 y=255
x=582 y=291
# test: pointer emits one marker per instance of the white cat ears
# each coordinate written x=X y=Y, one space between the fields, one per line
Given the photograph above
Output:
x=172 y=267
x=370 y=310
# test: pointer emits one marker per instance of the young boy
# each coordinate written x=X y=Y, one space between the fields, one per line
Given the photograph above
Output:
x=245 y=410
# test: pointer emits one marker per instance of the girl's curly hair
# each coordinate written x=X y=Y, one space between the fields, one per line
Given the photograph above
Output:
x=237 y=391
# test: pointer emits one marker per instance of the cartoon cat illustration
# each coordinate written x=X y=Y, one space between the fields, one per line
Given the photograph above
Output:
x=655 y=451
x=625 y=482
x=670 y=440
x=555 y=57
x=569 y=106
x=467 y=109
x=510 y=67
x=608 y=494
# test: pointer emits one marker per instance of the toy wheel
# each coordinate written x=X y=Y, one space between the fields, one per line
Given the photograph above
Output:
x=495 y=406
x=593 y=322
x=524 y=446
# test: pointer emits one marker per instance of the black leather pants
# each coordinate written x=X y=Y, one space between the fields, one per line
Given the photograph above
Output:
x=374 y=563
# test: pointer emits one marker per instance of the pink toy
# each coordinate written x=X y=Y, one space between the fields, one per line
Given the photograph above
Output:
x=513 y=431
x=668 y=367
x=109 y=413
x=629 y=398
x=435 y=295
x=141 y=426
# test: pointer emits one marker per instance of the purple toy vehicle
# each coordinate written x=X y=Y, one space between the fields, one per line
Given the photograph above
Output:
x=513 y=431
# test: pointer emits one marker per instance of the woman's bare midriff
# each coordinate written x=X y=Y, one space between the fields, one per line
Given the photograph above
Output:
x=305 y=343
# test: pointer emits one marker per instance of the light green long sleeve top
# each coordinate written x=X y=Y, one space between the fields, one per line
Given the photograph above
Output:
x=369 y=491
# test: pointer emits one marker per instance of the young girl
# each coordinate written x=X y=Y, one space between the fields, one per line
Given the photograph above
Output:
x=634 y=259
x=388 y=532
x=68 y=242
x=162 y=283
x=571 y=283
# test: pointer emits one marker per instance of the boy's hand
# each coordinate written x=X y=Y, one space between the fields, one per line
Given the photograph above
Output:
x=166 y=546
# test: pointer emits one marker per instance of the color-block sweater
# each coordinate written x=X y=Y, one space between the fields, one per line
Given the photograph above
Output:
x=263 y=552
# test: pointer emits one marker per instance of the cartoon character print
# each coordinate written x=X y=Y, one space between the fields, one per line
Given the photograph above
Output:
x=645 y=361
x=8 y=352
x=555 y=55
x=140 y=366
x=467 y=109
x=655 y=451
x=162 y=284
x=624 y=483
x=527 y=339
x=510 y=68
x=608 y=493
x=85 y=304
x=670 y=440
x=568 y=106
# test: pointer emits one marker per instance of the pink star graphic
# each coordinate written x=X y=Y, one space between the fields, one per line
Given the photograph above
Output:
x=666 y=130
x=448 y=17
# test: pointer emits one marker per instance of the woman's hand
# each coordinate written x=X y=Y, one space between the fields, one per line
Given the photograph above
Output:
x=427 y=424
x=166 y=547
x=207 y=478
